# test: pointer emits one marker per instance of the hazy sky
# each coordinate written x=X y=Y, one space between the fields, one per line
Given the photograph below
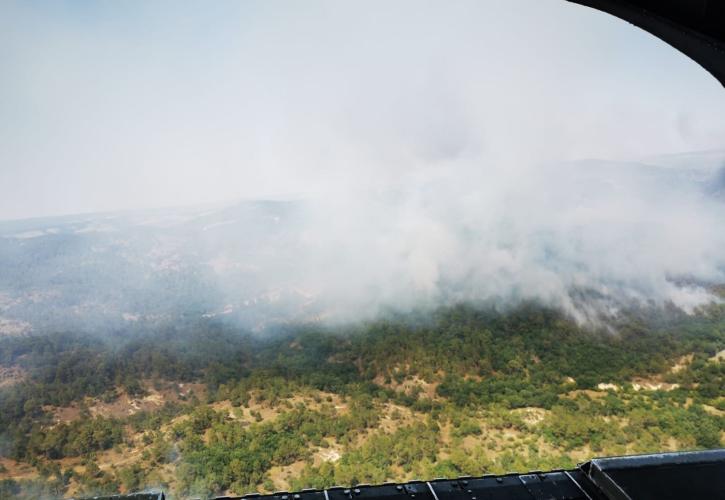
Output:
x=122 y=105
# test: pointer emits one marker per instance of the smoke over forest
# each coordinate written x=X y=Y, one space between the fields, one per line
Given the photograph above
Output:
x=271 y=246
x=587 y=237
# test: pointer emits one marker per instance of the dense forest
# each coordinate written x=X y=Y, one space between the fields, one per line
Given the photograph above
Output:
x=208 y=409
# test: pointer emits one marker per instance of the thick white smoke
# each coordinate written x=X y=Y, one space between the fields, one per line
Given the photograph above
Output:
x=589 y=237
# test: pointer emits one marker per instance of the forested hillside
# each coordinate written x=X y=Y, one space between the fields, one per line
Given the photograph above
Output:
x=207 y=410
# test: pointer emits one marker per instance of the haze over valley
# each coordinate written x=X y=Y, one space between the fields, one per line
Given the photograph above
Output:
x=599 y=237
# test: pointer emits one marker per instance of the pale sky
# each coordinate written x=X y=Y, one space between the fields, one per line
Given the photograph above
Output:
x=125 y=105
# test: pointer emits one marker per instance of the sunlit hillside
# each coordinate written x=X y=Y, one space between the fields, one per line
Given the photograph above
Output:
x=208 y=410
